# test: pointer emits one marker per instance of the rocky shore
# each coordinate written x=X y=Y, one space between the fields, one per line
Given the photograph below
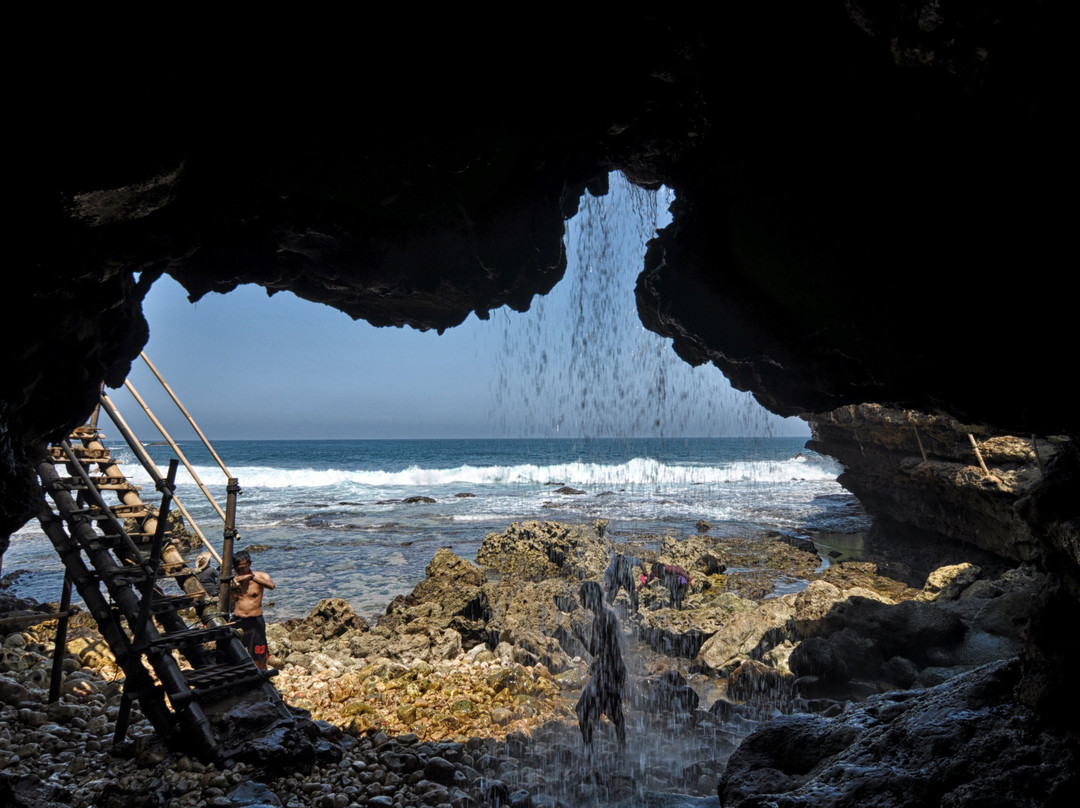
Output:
x=851 y=687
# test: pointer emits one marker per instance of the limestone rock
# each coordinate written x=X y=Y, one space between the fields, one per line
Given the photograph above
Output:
x=949 y=582
x=748 y=634
x=538 y=550
x=331 y=618
x=683 y=632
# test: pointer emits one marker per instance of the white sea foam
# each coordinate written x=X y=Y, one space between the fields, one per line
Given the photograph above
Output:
x=635 y=472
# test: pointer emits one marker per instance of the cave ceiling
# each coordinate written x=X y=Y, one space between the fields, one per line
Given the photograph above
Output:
x=864 y=194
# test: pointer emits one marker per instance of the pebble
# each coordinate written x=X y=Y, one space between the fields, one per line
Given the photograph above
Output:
x=481 y=733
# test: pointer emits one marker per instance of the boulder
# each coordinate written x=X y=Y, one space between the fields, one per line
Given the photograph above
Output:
x=682 y=632
x=758 y=684
x=11 y=692
x=445 y=614
x=331 y=618
x=667 y=693
x=538 y=550
x=748 y=635
x=949 y=582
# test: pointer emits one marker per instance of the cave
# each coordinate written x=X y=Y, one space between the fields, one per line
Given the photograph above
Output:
x=860 y=188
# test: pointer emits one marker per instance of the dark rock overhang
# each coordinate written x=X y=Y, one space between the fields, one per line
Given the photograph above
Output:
x=864 y=209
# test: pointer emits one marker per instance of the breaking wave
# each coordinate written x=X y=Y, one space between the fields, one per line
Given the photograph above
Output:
x=634 y=472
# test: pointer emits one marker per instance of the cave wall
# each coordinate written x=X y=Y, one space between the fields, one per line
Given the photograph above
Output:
x=864 y=208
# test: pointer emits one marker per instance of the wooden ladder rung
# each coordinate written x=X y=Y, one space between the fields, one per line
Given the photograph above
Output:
x=82 y=454
x=215 y=678
x=169 y=603
x=119 y=511
x=119 y=484
x=193 y=636
x=112 y=541
x=137 y=575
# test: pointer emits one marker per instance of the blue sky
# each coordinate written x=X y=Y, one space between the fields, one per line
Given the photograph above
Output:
x=577 y=364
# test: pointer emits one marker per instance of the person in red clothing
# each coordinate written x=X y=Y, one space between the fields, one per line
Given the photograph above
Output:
x=247 y=592
x=675 y=578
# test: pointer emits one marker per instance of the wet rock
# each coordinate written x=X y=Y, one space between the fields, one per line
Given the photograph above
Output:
x=452 y=582
x=819 y=658
x=667 y=693
x=419 y=500
x=440 y=770
x=902 y=671
x=529 y=618
x=759 y=684
x=713 y=565
x=877 y=752
x=682 y=632
x=28 y=791
x=798 y=542
x=263 y=737
x=253 y=795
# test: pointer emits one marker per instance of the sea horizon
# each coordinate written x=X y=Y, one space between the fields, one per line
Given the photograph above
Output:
x=360 y=518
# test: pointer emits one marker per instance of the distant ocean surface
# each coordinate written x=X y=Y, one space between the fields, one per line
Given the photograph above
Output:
x=330 y=511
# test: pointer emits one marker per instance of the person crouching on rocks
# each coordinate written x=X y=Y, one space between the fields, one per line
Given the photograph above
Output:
x=247 y=592
x=603 y=694
x=675 y=578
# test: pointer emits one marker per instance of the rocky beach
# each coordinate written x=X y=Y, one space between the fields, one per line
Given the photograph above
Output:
x=462 y=693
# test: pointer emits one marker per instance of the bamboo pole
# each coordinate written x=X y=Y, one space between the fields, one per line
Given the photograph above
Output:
x=187 y=415
x=151 y=469
x=978 y=454
x=918 y=440
x=175 y=448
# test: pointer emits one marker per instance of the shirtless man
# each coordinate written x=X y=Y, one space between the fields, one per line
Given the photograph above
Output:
x=247 y=592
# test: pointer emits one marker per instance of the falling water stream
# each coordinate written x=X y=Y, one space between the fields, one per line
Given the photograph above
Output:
x=581 y=365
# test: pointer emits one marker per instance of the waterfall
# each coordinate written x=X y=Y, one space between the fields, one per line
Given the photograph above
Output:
x=580 y=364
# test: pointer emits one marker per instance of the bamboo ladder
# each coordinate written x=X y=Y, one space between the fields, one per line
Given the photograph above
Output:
x=124 y=575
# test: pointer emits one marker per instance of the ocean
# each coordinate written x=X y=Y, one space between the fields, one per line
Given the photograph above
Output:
x=330 y=514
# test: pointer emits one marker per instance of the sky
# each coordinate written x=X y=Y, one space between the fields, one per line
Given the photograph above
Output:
x=578 y=364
